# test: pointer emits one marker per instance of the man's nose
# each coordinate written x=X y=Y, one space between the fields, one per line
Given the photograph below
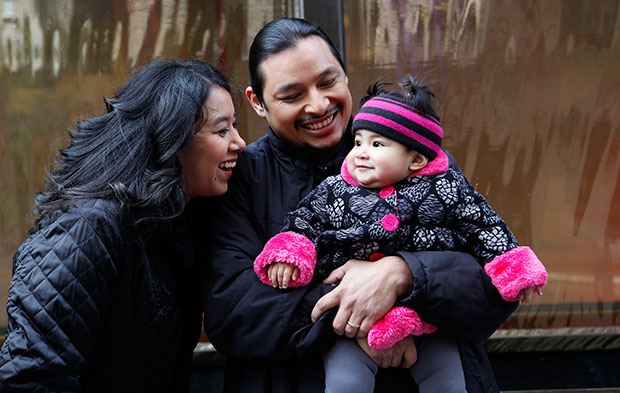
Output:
x=317 y=103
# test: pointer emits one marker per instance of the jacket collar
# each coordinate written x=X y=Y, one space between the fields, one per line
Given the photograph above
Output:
x=283 y=148
x=295 y=154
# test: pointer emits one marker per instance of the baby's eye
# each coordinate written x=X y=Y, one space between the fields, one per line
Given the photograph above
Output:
x=358 y=143
x=377 y=144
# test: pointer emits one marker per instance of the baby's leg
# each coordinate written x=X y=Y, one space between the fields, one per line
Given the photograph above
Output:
x=348 y=368
x=439 y=368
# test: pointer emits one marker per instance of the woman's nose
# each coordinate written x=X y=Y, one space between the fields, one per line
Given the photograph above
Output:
x=237 y=143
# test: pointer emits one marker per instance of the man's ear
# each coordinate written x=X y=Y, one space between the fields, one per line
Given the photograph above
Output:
x=419 y=161
x=255 y=102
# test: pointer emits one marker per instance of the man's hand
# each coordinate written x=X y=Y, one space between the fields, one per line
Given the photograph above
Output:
x=367 y=290
x=403 y=353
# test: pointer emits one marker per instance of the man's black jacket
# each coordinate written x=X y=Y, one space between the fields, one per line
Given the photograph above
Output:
x=266 y=333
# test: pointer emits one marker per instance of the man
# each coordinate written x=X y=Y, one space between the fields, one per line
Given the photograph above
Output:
x=299 y=85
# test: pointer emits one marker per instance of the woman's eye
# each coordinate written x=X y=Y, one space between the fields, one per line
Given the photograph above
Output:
x=223 y=131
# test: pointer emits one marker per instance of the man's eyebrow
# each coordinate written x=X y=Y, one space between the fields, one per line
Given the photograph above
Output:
x=289 y=86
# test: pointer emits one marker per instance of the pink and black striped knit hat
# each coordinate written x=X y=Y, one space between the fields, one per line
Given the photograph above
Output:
x=391 y=117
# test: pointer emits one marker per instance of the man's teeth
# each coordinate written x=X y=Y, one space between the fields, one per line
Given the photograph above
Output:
x=227 y=165
x=316 y=126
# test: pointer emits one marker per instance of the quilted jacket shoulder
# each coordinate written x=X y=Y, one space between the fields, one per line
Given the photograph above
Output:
x=85 y=306
x=63 y=277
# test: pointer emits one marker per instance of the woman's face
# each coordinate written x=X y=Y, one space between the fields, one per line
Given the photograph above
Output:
x=210 y=155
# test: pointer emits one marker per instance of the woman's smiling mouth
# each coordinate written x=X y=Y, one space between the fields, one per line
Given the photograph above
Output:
x=227 y=165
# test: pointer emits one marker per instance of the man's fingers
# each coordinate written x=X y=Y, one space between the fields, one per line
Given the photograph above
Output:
x=351 y=328
x=397 y=359
x=340 y=321
x=385 y=362
x=336 y=275
x=329 y=300
x=410 y=356
x=364 y=327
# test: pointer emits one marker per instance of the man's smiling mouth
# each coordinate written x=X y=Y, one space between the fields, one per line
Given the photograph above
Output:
x=314 y=125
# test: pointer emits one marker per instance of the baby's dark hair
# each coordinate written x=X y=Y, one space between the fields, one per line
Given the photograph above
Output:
x=413 y=91
x=405 y=115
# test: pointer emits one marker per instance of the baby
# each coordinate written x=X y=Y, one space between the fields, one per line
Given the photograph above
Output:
x=396 y=193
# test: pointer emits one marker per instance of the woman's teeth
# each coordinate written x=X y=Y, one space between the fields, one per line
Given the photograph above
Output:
x=324 y=123
x=227 y=165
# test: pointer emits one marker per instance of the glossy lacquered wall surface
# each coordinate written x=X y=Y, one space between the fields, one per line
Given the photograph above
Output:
x=529 y=96
x=528 y=93
x=59 y=58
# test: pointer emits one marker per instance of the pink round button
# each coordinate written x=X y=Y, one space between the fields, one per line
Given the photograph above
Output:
x=375 y=257
x=389 y=222
x=386 y=191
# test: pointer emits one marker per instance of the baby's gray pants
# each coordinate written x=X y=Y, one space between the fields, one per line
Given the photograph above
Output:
x=438 y=369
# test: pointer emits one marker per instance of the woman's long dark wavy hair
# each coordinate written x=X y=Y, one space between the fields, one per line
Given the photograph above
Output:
x=130 y=154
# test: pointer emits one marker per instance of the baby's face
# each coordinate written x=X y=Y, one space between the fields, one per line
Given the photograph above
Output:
x=377 y=161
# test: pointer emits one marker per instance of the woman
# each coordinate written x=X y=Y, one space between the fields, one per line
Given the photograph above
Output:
x=103 y=295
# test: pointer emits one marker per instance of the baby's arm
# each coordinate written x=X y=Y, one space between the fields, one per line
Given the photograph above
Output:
x=282 y=250
x=281 y=273
x=515 y=270
x=290 y=256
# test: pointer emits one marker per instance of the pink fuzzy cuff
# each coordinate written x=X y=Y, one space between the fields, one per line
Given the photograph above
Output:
x=288 y=247
x=515 y=270
x=397 y=324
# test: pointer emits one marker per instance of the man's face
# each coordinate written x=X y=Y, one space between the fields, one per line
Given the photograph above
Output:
x=306 y=96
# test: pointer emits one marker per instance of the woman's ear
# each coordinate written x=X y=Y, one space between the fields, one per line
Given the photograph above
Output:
x=418 y=162
x=255 y=102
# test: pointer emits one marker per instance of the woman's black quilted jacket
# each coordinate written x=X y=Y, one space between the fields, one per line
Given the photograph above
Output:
x=96 y=306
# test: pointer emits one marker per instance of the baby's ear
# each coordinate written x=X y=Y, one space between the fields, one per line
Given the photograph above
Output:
x=418 y=162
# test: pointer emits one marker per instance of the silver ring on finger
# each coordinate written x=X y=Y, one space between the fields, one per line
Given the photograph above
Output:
x=353 y=325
